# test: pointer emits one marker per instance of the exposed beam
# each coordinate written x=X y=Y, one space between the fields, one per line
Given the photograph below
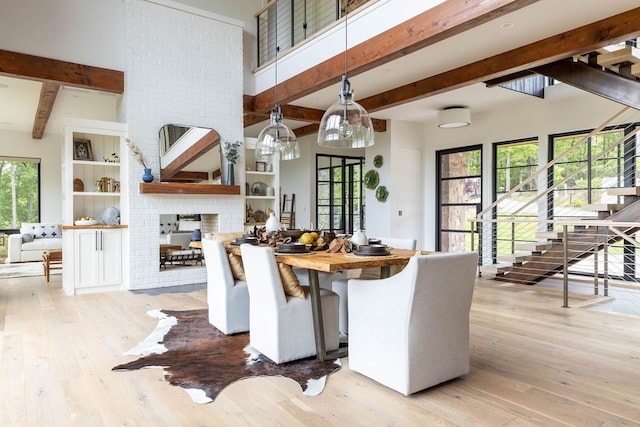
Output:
x=197 y=149
x=306 y=130
x=48 y=95
x=250 y=119
x=608 y=85
x=580 y=40
x=436 y=24
x=37 y=68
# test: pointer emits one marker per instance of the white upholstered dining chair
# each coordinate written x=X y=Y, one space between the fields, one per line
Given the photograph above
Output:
x=411 y=331
x=227 y=298
x=339 y=284
x=281 y=326
x=399 y=242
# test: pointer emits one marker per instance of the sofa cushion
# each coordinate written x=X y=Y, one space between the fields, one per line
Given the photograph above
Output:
x=27 y=237
x=42 y=244
x=46 y=231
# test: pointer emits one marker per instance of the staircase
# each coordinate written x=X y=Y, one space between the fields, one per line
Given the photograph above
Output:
x=546 y=257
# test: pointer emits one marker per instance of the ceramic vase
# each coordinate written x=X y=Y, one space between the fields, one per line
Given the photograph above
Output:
x=231 y=179
x=147 y=177
x=272 y=223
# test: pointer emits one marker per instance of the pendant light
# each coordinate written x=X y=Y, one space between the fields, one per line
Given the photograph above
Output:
x=345 y=124
x=277 y=137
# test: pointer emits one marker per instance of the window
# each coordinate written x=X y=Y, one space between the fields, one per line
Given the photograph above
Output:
x=19 y=191
x=589 y=171
x=339 y=193
x=515 y=162
x=459 y=196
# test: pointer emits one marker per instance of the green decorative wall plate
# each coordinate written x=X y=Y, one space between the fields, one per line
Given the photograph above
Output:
x=382 y=194
x=371 y=179
x=377 y=161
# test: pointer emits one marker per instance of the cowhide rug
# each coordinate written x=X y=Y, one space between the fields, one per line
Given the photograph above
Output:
x=203 y=360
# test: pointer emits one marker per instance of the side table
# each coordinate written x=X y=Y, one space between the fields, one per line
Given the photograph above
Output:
x=51 y=259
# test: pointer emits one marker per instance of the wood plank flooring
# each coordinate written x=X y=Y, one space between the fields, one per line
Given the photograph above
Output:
x=533 y=363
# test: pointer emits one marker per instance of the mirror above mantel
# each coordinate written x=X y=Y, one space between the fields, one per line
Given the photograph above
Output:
x=189 y=163
x=189 y=154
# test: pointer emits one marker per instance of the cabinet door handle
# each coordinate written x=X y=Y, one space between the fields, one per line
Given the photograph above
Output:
x=96 y=239
x=101 y=241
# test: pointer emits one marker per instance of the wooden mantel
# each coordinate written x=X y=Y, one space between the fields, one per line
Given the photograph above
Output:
x=188 y=188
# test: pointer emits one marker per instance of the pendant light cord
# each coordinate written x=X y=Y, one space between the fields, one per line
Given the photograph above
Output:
x=275 y=90
x=346 y=45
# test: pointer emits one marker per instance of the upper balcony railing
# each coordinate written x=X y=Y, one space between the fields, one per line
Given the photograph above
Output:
x=297 y=21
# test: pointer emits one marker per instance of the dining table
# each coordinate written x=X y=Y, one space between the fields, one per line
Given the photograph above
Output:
x=333 y=262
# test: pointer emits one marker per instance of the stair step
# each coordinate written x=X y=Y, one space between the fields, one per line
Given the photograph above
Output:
x=627 y=54
x=551 y=235
x=535 y=247
x=497 y=269
x=624 y=191
x=603 y=207
x=515 y=259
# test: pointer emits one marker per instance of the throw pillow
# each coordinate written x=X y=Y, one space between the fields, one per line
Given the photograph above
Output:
x=290 y=282
x=27 y=237
x=237 y=269
x=168 y=227
x=46 y=231
x=27 y=228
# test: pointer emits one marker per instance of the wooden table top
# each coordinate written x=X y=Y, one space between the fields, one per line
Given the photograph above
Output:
x=332 y=262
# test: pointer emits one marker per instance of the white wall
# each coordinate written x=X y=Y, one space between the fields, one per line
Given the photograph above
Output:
x=190 y=75
x=49 y=151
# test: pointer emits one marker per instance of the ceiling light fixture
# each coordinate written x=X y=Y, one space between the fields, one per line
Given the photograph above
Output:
x=345 y=124
x=454 y=117
x=277 y=136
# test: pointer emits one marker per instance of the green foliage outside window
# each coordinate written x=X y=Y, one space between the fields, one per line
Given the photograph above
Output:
x=21 y=205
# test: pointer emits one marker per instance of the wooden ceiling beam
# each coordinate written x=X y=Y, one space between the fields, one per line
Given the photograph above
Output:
x=436 y=24
x=614 y=29
x=48 y=94
x=37 y=68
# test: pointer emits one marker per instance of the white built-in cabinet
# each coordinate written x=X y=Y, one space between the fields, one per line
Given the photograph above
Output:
x=98 y=258
x=262 y=187
x=93 y=255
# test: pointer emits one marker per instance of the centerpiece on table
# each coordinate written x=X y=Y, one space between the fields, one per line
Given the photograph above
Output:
x=231 y=151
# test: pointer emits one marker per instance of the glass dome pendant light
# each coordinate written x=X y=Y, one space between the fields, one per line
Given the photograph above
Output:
x=345 y=124
x=277 y=136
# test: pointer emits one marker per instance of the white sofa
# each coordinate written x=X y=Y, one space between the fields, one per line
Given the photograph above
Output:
x=33 y=240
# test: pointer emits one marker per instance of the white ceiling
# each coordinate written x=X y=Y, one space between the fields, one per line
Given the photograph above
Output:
x=19 y=98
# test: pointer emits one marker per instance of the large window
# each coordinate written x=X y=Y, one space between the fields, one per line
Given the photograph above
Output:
x=459 y=196
x=19 y=191
x=585 y=174
x=515 y=162
x=339 y=193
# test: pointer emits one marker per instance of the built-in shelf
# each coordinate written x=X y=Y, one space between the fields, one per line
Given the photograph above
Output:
x=188 y=188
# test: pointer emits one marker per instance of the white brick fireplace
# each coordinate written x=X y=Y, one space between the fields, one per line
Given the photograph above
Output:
x=191 y=75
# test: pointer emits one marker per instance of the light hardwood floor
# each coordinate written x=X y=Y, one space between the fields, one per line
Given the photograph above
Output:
x=532 y=363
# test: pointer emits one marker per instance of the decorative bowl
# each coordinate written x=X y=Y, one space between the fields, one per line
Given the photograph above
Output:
x=85 y=222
